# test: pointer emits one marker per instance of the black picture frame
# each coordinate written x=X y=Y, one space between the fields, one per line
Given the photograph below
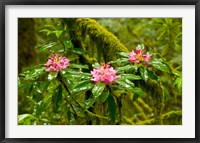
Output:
x=3 y=4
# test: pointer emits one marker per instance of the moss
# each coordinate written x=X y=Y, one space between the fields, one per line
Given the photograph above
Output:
x=142 y=115
x=145 y=106
x=77 y=40
x=170 y=118
x=173 y=117
x=109 y=42
x=154 y=89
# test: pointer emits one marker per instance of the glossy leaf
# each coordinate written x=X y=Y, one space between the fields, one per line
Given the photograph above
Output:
x=34 y=74
x=144 y=73
x=40 y=86
x=131 y=76
x=58 y=33
x=140 y=46
x=135 y=97
x=77 y=51
x=111 y=108
x=57 y=98
x=121 y=60
x=160 y=65
x=52 y=75
x=127 y=68
x=77 y=66
x=124 y=54
x=96 y=65
x=22 y=118
x=46 y=102
x=127 y=84
x=69 y=115
x=103 y=96
x=23 y=85
x=47 y=46
x=138 y=91
x=76 y=75
x=68 y=44
x=89 y=102
x=152 y=75
x=83 y=85
x=37 y=87
x=178 y=83
x=47 y=31
x=98 y=89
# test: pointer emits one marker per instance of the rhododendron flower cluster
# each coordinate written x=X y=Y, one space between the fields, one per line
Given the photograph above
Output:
x=139 y=56
x=105 y=74
x=56 y=63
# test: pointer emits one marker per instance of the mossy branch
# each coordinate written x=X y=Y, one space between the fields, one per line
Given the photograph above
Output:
x=110 y=42
x=172 y=117
x=154 y=89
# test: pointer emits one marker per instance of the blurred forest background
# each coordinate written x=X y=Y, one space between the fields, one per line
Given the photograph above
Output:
x=39 y=37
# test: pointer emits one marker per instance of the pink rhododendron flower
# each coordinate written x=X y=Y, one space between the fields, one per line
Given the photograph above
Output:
x=56 y=63
x=138 y=56
x=105 y=74
x=147 y=58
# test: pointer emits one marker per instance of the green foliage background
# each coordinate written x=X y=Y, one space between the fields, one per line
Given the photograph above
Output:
x=42 y=100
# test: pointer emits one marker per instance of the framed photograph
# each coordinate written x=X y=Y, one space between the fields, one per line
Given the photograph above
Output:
x=99 y=71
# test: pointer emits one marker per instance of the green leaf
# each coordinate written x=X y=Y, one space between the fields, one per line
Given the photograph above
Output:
x=96 y=65
x=52 y=75
x=135 y=97
x=50 y=26
x=79 y=66
x=71 y=75
x=121 y=60
x=46 y=102
x=143 y=73
x=40 y=86
x=166 y=94
x=178 y=83
x=45 y=86
x=35 y=74
x=77 y=51
x=69 y=114
x=152 y=75
x=140 y=46
x=127 y=68
x=127 y=84
x=177 y=73
x=37 y=87
x=47 y=31
x=79 y=111
x=73 y=58
x=83 y=85
x=124 y=54
x=68 y=44
x=98 y=89
x=22 y=118
x=131 y=76
x=47 y=46
x=24 y=85
x=103 y=96
x=57 y=98
x=89 y=102
x=58 y=33
x=160 y=65
x=138 y=91
x=111 y=108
